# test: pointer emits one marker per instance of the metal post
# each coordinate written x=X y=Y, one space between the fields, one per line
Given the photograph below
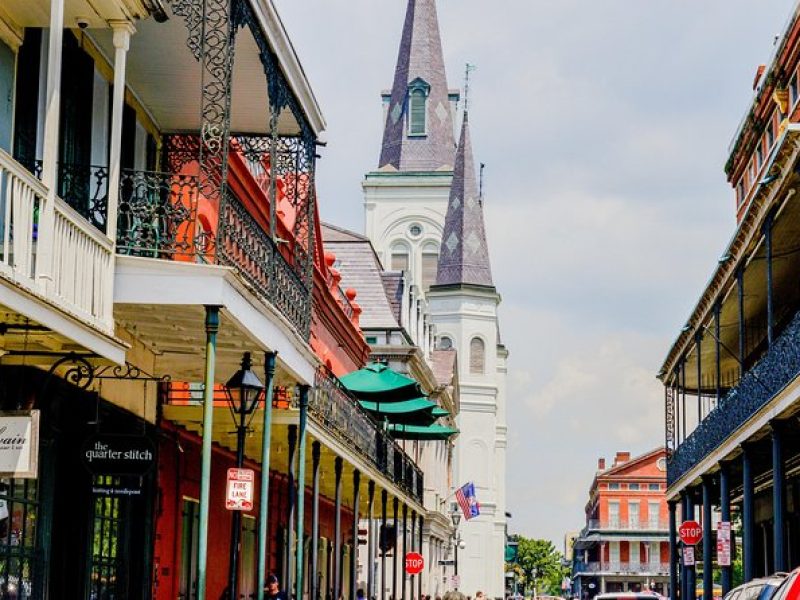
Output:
x=419 y=579
x=370 y=540
x=384 y=500
x=266 y=442
x=236 y=518
x=778 y=497
x=394 y=552
x=708 y=565
x=337 y=532
x=288 y=551
x=413 y=578
x=212 y=328
x=748 y=521
x=698 y=340
x=314 y=581
x=717 y=355
x=673 y=552
x=725 y=515
x=742 y=331
x=405 y=551
x=770 y=303
x=354 y=552
x=683 y=395
x=301 y=492
x=690 y=585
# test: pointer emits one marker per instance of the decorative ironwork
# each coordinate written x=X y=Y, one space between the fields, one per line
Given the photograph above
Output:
x=179 y=150
x=246 y=246
x=79 y=371
x=332 y=406
x=85 y=188
x=778 y=367
x=669 y=418
x=157 y=215
x=128 y=371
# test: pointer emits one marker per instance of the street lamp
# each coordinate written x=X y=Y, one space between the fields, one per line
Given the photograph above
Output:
x=455 y=516
x=243 y=392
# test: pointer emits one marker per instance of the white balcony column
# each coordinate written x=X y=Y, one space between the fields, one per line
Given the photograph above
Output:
x=44 y=257
x=122 y=40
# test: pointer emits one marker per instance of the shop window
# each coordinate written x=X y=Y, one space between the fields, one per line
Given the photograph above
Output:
x=190 y=524
x=477 y=356
x=109 y=530
x=19 y=508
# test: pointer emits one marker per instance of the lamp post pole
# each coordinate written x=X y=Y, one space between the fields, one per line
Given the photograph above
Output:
x=236 y=528
x=455 y=516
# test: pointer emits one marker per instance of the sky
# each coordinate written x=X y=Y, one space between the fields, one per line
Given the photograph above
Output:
x=604 y=126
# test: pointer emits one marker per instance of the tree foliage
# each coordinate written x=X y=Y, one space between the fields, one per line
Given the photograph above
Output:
x=539 y=564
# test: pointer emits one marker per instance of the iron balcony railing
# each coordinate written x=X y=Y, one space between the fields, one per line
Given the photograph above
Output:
x=627 y=525
x=779 y=365
x=338 y=412
x=625 y=568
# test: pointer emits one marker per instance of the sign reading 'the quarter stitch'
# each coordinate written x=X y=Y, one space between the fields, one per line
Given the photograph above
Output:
x=105 y=454
x=19 y=444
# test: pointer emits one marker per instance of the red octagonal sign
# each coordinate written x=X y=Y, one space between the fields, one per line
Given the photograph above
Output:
x=690 y=532
x=414 y=563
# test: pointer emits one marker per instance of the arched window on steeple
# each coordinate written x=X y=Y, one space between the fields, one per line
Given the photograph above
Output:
x=417 y=107
x=430 y=262
x=400 y=258
x=477 y=356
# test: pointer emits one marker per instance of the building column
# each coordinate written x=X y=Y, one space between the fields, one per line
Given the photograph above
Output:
x=301 y=492
x=717 y=353
x=212 y=328
x=288 y=551
x=314 y=575
x=770 y=287
x=45 y=249
x=725 y=515
x=698 y=340
x=337 y=532
x=708 y=564
x=354 y=549
x=683 y=395
x=748 y=520
x=673 y=551
x=394 y=551
x=263 y=506
x=370 y=540
x=384 y=500
x=778 y=497
x=740 y=302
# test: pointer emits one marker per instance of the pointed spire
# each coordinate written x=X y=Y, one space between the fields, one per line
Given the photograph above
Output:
x=420 y=65
x=464 y=255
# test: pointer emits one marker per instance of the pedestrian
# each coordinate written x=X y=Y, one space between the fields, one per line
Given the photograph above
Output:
x=359 y=594
x=479 y=595
x=273 y=589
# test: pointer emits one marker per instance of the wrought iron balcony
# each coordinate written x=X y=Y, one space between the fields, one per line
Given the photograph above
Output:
x=627 y=525
x=777 y=368
x=337 y=411
x=619 y=567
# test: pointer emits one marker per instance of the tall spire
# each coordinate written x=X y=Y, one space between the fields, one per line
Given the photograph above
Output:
x=464 y=255
x=420 y=69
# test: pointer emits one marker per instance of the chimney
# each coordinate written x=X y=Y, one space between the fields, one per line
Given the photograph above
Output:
x=601 y=464
x=621 y=458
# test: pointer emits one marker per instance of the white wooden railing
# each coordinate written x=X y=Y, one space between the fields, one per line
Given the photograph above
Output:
x=80 y=273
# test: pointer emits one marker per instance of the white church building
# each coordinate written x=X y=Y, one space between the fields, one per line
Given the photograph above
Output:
x=424 y=215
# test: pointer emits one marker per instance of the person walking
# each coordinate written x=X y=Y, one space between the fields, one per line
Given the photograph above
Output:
x=273 y=589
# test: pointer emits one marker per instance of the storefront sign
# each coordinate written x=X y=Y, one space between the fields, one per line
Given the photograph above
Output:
x=19 y=444
x=239 y=491
x=724 y=543
x=688 y=556
x=105 y=454
x=117 y=486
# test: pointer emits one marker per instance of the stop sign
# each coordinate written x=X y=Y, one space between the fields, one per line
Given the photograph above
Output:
x=414 y=563
x=690 y=532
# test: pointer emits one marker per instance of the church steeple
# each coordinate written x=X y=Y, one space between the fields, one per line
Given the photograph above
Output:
x=464 y=255
x=418 y=135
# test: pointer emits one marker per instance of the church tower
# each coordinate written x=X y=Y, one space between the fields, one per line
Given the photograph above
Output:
x=463 y=307
x=405 y=199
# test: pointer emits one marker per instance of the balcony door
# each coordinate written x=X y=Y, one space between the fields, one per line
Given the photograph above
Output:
x=633 y=514
x=613 y=514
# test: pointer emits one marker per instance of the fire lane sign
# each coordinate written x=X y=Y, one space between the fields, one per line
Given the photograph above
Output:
x=691 y=532
x=239 y=491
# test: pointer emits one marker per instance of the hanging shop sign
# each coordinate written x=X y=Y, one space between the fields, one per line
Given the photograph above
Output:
x=239 y=490
x=724 y=543
x=19 y=444
x=106 y=454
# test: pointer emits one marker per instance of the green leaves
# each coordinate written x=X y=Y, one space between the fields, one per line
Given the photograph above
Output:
x=538 y=562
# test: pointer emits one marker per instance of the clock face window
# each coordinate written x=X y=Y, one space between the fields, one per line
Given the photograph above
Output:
x=415 y=230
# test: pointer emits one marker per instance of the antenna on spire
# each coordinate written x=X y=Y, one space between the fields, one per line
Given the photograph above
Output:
x=480 y=184
x=469 y=68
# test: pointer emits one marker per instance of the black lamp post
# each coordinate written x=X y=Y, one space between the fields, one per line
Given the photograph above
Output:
x=456 y=518
x=243 y=392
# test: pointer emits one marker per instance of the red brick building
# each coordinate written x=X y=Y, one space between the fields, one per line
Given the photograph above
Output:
x=624 y=545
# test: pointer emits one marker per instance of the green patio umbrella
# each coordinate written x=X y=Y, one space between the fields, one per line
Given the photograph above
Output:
x=418 y=432
x=378 y=383
x=418 y=411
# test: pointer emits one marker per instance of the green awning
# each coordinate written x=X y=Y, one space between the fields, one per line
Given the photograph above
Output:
x=440 y=412
x=401 y=407
x=377 y=382
x=417 y=432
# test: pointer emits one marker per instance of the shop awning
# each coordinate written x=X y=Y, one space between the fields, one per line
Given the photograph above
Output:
x=377 y=382
x=418 y=432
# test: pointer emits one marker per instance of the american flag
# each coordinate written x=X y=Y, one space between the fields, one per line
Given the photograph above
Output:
x=465 y=496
